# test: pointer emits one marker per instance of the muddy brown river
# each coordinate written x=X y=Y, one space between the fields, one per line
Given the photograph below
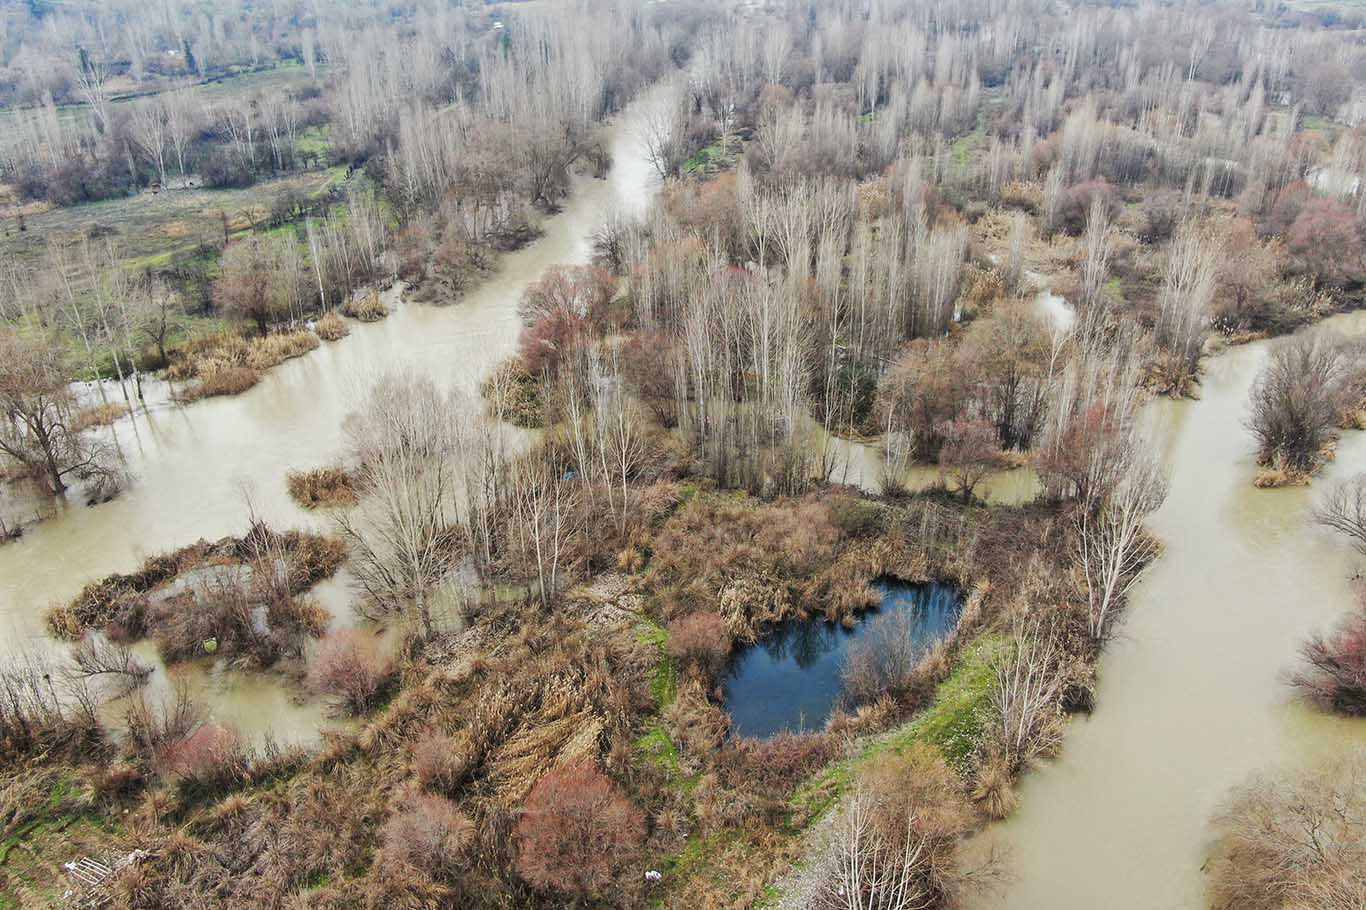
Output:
x=1192 y=698
x=197 y=468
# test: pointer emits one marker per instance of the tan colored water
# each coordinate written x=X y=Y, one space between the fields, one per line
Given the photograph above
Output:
x=863 y=465
x=1192 y=698
x=196 y=466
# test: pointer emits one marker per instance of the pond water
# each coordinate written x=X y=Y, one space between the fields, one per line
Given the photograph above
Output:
x=201 y=470
x=790 y=679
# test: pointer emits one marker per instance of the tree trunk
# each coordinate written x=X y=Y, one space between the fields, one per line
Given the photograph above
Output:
x=54 y=470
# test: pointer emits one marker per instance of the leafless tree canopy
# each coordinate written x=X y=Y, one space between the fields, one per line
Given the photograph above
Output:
x=1298 y=839
x=406 y=536
x=1343 y=509
x=1295 y=400
x=37 y=409
x=1113 y=546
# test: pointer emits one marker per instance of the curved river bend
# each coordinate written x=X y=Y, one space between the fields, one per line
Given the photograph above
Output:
x=196 y=467
x=1192 y=699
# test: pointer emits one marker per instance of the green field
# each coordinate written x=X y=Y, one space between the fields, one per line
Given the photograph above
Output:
x=151 y=228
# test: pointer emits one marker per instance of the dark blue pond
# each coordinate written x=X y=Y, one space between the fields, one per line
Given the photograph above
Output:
x=790 y=679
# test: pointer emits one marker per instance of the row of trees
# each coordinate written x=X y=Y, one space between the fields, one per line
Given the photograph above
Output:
x=181 y=136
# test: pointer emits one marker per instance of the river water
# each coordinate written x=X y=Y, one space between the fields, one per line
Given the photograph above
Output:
x=200 y=470
x=1192 y=698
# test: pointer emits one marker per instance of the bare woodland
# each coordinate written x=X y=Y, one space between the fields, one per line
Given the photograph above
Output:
x=859 y=206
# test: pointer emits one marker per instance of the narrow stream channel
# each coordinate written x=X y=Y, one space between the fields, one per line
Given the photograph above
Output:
x=1192 y=699
x=197 y=467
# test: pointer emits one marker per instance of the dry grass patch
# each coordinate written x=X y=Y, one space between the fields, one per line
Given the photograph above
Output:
x=323 y=488
x=366 y=307
x=228 y=363
x=99 y=415
x=331 y=327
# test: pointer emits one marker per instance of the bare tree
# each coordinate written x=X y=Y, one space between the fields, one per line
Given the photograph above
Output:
x=92 y=78
x=543 y=522
x=883 y=662
x=37 y=406
x=1344 y=510
x=897 y=842
x=1096 y=243
x=246 y=286
x=1294 y=840
x=969 y=455
x=157 y=312
x=151 y=133
x=664 y=130
x=1027 y=695
x=871 y=874
x=1113 y=547
x=406 y=536
x=1184 y=303
x=179 y=122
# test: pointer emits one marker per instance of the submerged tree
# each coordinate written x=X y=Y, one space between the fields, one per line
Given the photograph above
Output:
x=406 y=536
x=38 y=407
x=969 y=455
x=1294 y=401
x=1344 y=510
x=1298 y=840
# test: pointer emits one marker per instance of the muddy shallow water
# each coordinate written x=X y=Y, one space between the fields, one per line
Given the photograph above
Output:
x=200 y=470
x=1192 y=698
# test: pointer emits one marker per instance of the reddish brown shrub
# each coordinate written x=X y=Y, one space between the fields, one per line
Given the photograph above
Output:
x=578 y=833
x=1336 y=676
x=352 y=670
x=201 y=752
x=1064 y=467
x=927 y=387
x=1326 y=242
x=544 y=345
x=429 y=833
x=700 y=640
x=1076 y=206
x=643 y=359
x=584 y=291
